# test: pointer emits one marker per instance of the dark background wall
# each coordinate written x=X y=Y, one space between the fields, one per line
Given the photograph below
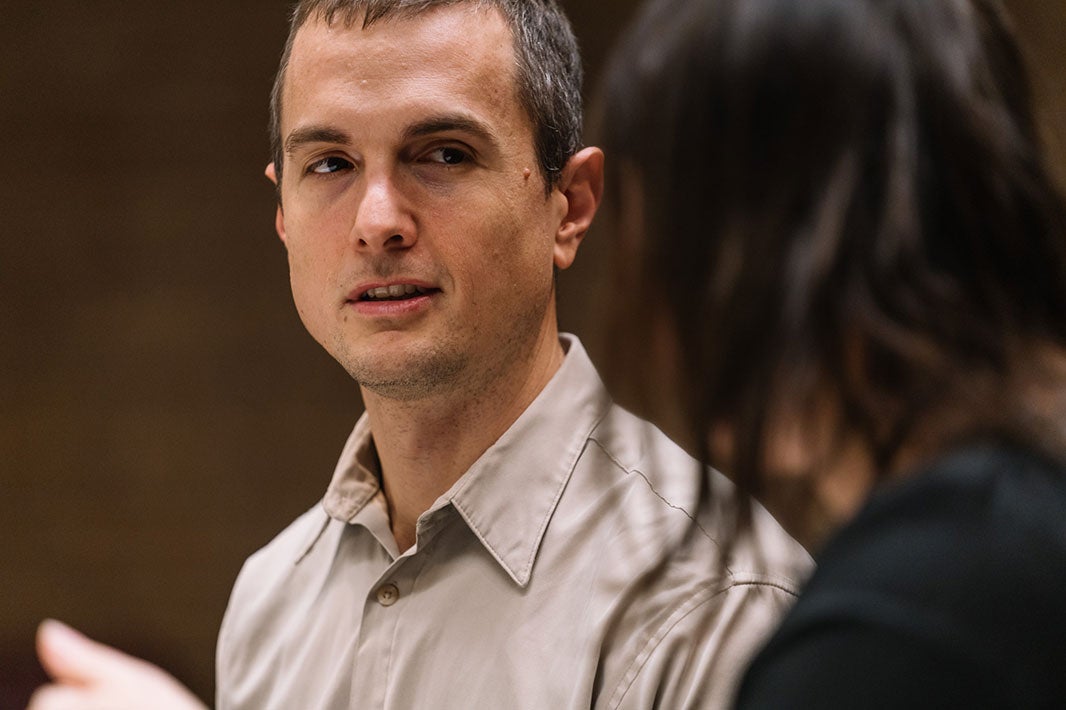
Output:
x=162 y=412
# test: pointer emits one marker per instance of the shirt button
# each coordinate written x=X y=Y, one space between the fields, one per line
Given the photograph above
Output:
x=388 y=594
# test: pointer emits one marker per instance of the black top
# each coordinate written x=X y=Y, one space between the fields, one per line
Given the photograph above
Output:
x=947 y=591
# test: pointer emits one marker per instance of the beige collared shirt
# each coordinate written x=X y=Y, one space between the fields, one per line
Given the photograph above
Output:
x=573 y=566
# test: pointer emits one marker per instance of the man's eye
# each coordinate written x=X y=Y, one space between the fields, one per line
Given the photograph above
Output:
x=332 y=164
x=448 y=156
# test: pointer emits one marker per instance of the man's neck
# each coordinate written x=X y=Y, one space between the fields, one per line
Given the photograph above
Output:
x=426 y=445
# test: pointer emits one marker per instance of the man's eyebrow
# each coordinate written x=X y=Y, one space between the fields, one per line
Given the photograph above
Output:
x=314 y=134
x=451 y=123
x=435 y=124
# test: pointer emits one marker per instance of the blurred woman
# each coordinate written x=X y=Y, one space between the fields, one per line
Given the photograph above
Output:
x=836 y=214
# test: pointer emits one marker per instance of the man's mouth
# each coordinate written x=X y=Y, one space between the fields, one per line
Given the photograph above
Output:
x=395 y=292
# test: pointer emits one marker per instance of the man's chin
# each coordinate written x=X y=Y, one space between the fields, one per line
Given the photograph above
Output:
x=417 y=378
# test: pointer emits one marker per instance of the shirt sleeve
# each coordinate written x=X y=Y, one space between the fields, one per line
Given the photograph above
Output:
x=696 y=659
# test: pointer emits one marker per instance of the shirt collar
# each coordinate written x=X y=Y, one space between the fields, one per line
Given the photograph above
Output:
x=355 y=480
x=508 y=496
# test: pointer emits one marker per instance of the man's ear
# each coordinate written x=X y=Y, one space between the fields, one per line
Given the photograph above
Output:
x=279 y=219
x=581 y=184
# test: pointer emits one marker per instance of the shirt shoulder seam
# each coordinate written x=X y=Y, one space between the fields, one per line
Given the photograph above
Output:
x=654 y=490
x=684 y=608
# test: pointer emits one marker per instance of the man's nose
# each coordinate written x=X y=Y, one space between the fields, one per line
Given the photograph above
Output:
x=383 y=221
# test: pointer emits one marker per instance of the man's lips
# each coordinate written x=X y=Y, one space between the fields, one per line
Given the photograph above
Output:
x=391 y=292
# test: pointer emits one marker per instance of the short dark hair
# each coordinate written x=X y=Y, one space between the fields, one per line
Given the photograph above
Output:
x=842 y=196
x=547 y=63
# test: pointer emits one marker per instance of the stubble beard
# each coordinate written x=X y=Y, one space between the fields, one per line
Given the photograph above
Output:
x=447 y=368
x=422 y=376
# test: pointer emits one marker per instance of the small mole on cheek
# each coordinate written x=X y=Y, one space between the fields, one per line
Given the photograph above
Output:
x=526 y=174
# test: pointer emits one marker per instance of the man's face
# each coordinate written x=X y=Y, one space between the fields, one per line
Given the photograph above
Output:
x=420 y=238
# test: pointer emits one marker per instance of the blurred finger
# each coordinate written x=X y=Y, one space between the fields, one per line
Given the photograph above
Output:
x=72 y=657
x=59 y=697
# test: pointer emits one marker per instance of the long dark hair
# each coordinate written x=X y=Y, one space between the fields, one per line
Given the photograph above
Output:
x=830 y=197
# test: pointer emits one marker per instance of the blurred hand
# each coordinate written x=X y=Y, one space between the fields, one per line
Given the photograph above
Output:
x=91 y=676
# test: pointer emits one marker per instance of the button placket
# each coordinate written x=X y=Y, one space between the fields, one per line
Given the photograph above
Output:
x=388 y=594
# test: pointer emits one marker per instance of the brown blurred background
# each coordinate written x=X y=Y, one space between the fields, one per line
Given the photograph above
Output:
x=162 y=411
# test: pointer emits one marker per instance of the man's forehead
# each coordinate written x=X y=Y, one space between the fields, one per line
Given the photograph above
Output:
x=438 y=28
x=464 y=48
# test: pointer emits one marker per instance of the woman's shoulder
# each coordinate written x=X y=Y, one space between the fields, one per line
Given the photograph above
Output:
x=952 y=577
x=987 y=515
